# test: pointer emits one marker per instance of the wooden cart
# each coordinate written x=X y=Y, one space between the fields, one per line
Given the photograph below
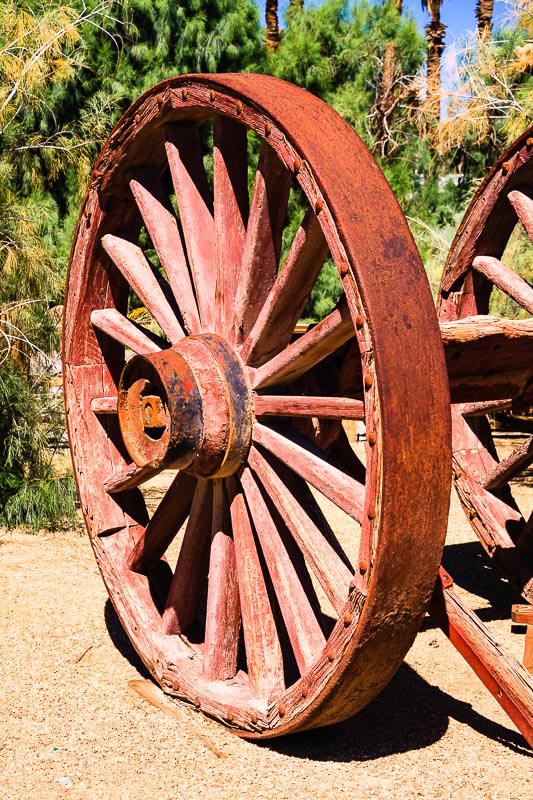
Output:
x=238 y=592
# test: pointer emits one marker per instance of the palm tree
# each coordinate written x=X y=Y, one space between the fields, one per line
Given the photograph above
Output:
x=484 y=10
x=272 y=24
x=435 y=33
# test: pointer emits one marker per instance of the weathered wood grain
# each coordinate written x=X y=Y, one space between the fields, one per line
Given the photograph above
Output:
x=295 y=406
x=505 y=279
x=223 y=614
x=303 y=628
x=505 y=678
x=330 y=570
x=190 y=575
x=231 y=208
x=168 y=518
x=128 y=333
x=262 y=246
x=131 y=261
x=195 y=206
x=519 y=459
x=285 y=302
x=162 y=226
x=312 y=465
x=298 y=357
x=264 y=658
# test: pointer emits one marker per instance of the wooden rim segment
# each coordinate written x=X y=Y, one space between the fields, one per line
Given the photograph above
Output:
x=490 y=359
x=237 y=590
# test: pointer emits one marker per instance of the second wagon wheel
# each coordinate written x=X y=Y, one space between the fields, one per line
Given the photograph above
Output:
x=490 y=358
x=281 y=578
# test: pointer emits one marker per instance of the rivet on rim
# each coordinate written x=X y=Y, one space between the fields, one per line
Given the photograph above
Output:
x=472 y=514
x=268 y=128
x=184 y=93
x=529 y=142
x=281 y=710
x=212 y=94
x=305 y=691
x=239 y=107
x=359 y=322
x=254 y=718
x=331 y=655
x=297 y=165
x=369 y=380
x=371 y=513
x=319 y=205
x=347 y=619
x=176 y=685
x=372 y=439
x=159 y=100
x=506 y=166
x=197 y=702
x=229 y=717
x=137 y=118
x=344 y=269
x=363 y=566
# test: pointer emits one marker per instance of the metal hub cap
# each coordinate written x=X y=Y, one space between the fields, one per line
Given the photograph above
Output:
x=188 y=407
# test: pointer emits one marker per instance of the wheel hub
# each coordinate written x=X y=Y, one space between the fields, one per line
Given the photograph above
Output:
x=188 y=407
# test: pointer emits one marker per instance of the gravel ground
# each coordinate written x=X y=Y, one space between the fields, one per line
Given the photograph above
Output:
x=71 y=725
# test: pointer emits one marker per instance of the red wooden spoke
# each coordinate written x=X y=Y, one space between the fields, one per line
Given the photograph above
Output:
x=302 y=626
x=128 y=478
x=262 y=247
x=263 y=650
x=519 y=459
x=104 y=405
x=506 y=279
x=523 y=205
x=128 y=333
x=131 y=261
x=162 y=226
x=308 y=350
x=312 y=466
x=196 y=213
x=231 y=204
x=483 y=408
x=322 y=407
x=168 y=518
x=285 y=303
x=190 y=575
x=223 y=615
x=332 y=573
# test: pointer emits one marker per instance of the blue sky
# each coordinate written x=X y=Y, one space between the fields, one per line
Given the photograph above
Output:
x=458 y=15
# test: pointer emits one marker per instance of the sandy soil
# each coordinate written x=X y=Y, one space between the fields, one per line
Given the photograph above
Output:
x=71 y=725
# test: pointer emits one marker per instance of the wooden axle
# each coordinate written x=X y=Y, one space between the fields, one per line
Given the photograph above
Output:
x=488 y=358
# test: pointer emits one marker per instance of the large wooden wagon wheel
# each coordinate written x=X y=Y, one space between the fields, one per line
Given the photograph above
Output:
x=237 y=591
x=490 y=359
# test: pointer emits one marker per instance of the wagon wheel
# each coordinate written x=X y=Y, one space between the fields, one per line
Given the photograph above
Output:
x=490 y=359
x=236 y=591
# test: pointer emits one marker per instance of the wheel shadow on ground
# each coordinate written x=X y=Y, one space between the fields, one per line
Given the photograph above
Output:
x=472 y=569
x=120 y=639
x=409 y=714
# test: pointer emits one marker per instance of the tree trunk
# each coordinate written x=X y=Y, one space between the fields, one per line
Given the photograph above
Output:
x=484 y=9
x=435 y=33
x=272 y=25
x=385 y=100
x=399 y=6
